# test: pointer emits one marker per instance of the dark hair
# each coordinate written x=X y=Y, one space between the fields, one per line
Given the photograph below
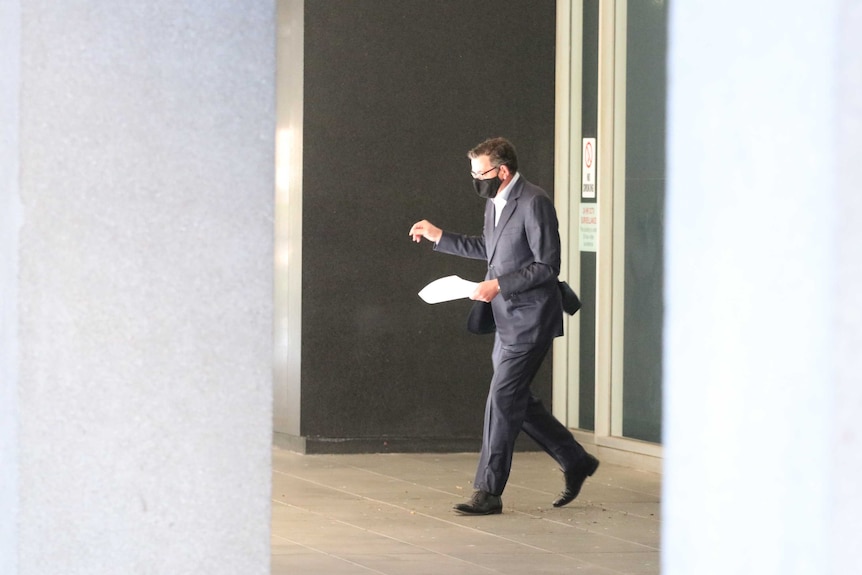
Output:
x=500 y=151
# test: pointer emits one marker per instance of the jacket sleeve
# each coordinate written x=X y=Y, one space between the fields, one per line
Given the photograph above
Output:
x=472 y=247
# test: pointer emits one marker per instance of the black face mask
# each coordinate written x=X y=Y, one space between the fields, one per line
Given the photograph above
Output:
x=487 y=188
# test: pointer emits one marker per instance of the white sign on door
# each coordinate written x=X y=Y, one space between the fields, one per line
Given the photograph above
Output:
x=588 y=171
x=588 y=228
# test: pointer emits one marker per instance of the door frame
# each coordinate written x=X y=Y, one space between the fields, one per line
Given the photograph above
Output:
x=610 y=269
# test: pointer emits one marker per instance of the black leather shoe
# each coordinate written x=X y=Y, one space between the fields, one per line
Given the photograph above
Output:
x=482 y=503
x=575 y=479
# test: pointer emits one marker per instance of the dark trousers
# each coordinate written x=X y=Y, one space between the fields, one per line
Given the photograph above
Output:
x=511 y=407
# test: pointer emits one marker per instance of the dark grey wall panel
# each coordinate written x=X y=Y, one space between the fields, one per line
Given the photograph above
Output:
x=396 y=92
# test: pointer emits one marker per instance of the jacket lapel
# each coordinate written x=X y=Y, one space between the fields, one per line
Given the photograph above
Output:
x=508 y=210
x=489 y=226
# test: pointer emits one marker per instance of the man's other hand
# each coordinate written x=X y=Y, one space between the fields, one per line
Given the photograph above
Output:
x=427 y=230
x=486 y=290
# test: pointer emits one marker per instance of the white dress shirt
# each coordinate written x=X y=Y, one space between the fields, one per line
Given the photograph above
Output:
x=501 y=198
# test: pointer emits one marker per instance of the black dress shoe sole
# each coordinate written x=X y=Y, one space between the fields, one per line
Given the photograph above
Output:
x=468 y=511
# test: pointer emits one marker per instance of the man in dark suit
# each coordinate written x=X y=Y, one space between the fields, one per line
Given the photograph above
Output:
x=521 y=243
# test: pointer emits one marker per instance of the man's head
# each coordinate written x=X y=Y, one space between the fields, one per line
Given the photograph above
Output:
x=500 y=152
x=493 y=164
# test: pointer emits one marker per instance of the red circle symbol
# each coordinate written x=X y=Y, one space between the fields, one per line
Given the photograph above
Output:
x=588 y=155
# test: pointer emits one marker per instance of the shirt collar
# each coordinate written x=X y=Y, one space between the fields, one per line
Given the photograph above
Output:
x=503 y=194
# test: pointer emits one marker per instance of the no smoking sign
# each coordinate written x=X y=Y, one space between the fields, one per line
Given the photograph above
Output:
x=588 y=178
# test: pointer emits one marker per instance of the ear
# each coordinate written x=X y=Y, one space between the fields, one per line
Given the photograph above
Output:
x=504 y=172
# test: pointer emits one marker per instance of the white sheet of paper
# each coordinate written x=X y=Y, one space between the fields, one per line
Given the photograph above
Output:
x=447 y=289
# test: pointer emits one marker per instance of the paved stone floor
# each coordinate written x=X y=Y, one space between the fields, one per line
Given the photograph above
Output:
x=391 y=514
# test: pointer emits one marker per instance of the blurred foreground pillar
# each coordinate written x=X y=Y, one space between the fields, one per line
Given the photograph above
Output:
x=763 y=446
x=136 y=206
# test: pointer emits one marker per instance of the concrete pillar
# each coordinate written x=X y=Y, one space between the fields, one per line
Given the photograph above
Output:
x=136 y=189
x=287 y=375
x=763 y=446
x=10 y=215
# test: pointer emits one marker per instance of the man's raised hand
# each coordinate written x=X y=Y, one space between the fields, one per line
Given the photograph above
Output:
x=427 y=230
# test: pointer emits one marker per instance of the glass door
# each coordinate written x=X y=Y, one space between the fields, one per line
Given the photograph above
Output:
x=611 y=125
x=630 y=268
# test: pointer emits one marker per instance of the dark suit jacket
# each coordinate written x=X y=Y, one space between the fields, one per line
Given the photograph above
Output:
x=523 y=253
